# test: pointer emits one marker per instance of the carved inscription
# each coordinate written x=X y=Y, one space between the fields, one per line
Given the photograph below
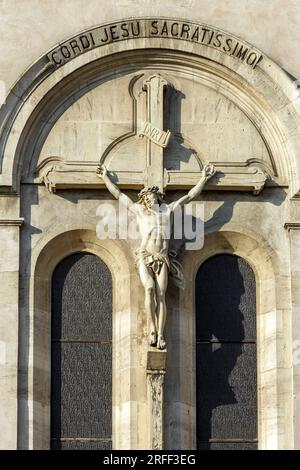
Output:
x=161 y=138
x=201 y=34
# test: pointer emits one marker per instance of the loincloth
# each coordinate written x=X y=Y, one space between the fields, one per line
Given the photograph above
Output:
x=157 y=260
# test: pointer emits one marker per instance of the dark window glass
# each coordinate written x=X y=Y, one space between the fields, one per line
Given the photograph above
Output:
x=226 y=354
x=81 y=354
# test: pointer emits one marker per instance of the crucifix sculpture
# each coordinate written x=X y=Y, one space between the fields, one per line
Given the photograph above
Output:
x=154 y=262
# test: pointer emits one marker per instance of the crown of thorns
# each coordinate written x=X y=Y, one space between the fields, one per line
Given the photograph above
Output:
x=153 y=189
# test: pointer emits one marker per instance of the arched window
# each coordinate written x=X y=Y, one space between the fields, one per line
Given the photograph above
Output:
x=81 y=354
x=226 y=354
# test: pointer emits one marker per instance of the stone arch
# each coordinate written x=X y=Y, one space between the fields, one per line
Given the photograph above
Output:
x=34 y=410
x=271 y=101
x=262 y=89
x=274 y=354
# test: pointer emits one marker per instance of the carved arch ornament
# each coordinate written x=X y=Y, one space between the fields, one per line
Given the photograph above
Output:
x=45 y=257
x=251 y=80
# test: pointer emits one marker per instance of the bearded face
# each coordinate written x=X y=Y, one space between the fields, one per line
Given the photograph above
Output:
x=151 y=199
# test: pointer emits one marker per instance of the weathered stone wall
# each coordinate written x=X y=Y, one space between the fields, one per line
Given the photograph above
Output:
x=29 y=29
x=237 y=115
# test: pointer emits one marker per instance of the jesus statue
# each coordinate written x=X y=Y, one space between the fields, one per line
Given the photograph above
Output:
x=154 y=262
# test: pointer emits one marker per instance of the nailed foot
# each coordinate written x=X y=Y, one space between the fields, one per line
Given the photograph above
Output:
x=161 y=342
x=152 y=338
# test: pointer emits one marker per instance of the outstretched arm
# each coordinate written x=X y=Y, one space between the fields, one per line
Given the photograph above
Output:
x=208 y=172
x=112 y=188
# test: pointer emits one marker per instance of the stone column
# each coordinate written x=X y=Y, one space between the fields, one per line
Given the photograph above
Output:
x=294 y=232
x=156 y=369
x=9 y=295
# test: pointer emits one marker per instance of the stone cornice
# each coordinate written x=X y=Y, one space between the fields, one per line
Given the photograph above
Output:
x=292 y=226
x=12 y=222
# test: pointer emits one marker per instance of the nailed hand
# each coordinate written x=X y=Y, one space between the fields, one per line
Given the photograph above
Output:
x=101 y=170
x=209 y=171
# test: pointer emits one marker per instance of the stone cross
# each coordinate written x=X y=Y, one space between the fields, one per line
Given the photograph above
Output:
x=57 y=173
x=153 y=130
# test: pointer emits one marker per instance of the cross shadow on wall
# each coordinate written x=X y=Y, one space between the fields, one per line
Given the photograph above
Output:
x=226 y=366
x=179 y=150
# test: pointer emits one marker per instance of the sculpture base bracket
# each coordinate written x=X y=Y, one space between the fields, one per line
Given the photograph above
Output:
x=156 y=369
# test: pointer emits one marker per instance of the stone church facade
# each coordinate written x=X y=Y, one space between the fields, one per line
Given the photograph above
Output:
x=155 y=96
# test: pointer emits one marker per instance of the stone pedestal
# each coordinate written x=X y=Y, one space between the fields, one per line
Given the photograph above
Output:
x=156 y=369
